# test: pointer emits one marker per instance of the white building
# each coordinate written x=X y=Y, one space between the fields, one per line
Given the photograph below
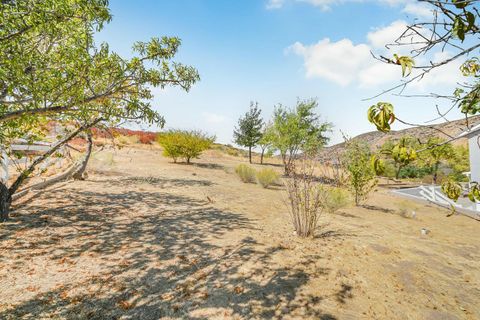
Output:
x=473 y=137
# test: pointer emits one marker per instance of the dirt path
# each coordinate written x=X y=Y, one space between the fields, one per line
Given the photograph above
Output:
x=146 y=239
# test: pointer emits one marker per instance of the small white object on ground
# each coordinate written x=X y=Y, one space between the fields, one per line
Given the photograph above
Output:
x=425 y=231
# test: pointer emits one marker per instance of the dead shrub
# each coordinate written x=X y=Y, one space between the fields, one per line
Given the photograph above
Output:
x=305 y=198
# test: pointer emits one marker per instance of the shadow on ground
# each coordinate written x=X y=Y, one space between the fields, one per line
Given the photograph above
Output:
x=160 y=182
x=153 y=255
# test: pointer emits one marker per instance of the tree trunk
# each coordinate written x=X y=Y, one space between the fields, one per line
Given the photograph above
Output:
x=78 y=175
x=5 y=201
x=435 y=171
x=25 y=174
x=285 y=165
x=6 y=193
x=250 y=154
x=261 y=156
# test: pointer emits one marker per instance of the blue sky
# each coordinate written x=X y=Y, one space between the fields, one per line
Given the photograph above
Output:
x=276 y=51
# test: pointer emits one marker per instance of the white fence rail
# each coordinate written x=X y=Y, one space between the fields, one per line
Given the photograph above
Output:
x=434 y=195
x=6 y=162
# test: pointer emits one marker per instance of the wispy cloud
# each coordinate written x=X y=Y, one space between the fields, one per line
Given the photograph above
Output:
x=274 y=4
x=411 y=7
x=213 y=118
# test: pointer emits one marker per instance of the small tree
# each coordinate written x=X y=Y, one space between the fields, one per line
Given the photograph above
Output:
x=266 y=140
x=436 y=150
x=195 y=143
x=459 y=163
x=184 y=144
x=298 y=130
x=249 y=130
x=171 y=144
x=361 y=173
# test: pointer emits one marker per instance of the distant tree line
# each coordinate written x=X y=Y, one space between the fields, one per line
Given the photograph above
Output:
x=290 y=132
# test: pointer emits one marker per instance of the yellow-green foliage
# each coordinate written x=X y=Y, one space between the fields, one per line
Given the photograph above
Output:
x=184 y=144
x=230 y=150
x=246 y=173
x=267 y=177
x=334 y=199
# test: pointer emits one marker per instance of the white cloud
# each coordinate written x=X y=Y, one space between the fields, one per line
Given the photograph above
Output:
x=338 y=62
x=387 y=35
x=411 y=7
x=274 y=4
x=446 y=75
x=418 y=9
x=377 y=74
x=346 y=63
x=323 y=4
x=213 y=118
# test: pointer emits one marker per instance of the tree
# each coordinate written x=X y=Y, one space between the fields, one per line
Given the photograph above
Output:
x=453 y=27
x=298 y=130
x=266 y=141
x=184 y=144
x=436 y=150
x=249 y=130
x=402 y=153
x=359 y=164
x=459 y=162
x=52 y=71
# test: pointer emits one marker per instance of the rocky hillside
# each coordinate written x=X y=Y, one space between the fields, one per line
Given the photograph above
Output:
x=376 y=138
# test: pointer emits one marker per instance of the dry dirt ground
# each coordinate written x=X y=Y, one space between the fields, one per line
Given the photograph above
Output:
x=143 y=238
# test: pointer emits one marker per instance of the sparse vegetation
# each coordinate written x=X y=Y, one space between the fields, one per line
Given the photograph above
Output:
x=246 y=173
x=267 y=177
x=361 y=175
x=305 y=198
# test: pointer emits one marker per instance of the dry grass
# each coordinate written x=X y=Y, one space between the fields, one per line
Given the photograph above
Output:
x=144 y=242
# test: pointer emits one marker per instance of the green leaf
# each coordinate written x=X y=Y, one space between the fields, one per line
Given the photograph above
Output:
x=458 y=29
x=381 y=115
x=406 y=63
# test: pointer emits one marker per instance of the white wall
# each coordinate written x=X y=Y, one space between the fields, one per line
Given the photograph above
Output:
x=474 y=148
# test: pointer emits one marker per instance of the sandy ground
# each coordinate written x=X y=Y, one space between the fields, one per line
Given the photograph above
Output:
x=143 y=238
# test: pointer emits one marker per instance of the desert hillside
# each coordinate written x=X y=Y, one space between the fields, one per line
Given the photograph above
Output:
x=376 y=138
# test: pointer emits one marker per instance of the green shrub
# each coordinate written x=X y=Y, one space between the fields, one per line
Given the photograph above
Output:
x=362 y=177
x=184 y=144
x=334 y=198
x=412 y=171
x=267 y=177
x=246 y=173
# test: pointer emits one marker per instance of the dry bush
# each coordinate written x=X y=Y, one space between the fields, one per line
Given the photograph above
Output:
x=267 y=177
x=334 y=198
x=246 y=173
x=305 y=198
